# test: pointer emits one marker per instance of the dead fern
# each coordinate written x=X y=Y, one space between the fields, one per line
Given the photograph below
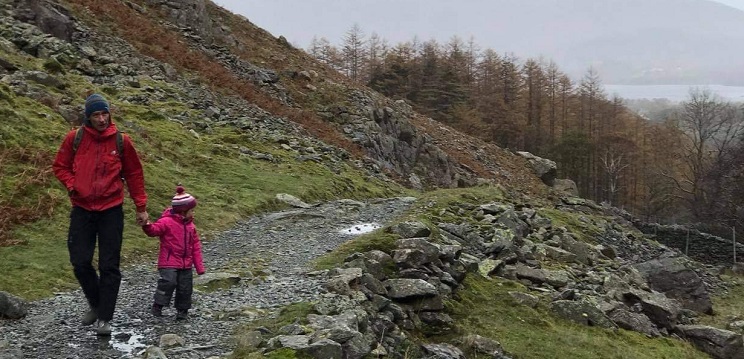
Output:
x=25 y=201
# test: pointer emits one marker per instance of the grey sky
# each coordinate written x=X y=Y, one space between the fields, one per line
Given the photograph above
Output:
x=300 y=20
x=739 y=4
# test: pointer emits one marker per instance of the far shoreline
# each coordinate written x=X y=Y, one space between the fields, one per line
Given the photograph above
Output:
x=674 y=93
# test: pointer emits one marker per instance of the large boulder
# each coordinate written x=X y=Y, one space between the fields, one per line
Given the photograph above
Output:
x=663 y=311
x=12 y=307
x=582 y=312
x=404 y=288
x=566 y=187
x=719 y=343
x=190 y=14
x=411 y=229
x=676 y=278
x=52 y=19
x=543 y=167
x=629 y=320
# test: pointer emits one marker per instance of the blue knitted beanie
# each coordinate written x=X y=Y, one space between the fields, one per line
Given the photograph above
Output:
x=95 y=102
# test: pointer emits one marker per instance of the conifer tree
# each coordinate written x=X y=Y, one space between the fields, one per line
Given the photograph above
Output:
x=354 y=52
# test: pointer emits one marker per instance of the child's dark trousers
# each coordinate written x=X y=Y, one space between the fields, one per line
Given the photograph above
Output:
x=178 y=280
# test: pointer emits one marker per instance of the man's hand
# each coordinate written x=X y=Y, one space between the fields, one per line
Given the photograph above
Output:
x=142 y=218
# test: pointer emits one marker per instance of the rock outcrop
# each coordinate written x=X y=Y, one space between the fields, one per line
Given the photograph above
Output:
x=600 y=286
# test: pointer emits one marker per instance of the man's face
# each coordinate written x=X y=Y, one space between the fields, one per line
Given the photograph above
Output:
x=100 y=120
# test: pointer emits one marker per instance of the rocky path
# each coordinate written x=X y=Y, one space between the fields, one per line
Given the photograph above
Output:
x=280 y=244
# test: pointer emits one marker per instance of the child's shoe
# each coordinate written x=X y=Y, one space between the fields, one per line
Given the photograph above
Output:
x=156 y=310
x=182 y=314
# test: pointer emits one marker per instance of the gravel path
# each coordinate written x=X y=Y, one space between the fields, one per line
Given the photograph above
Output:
x=281 y=244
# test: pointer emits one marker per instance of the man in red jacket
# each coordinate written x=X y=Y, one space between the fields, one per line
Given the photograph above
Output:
x=90 y=166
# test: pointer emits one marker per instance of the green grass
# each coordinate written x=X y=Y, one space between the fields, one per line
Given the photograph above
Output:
x=728 y=305
x=585 y=231
x=374 y=240
x=445 y=205
x=41 y=265
x=486 y=308
x=434 y=201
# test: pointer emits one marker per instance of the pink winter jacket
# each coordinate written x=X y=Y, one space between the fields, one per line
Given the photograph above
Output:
x=180 y=247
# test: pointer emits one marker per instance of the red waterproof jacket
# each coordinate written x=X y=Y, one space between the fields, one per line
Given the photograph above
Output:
x=180 y=246
x=93 y=173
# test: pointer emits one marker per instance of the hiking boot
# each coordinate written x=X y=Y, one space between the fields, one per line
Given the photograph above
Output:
x=103 y=328
x=156 y=310
x=89 y=317
x=182 y=314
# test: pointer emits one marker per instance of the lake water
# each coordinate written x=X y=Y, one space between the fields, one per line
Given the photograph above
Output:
x=672 y=92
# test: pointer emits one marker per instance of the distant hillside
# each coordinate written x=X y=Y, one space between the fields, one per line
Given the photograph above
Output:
x=627 y=41
x=656 y=42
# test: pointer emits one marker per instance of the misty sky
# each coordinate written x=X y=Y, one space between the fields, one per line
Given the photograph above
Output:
x=684 y=42
x=300 y=20
x=739 y=4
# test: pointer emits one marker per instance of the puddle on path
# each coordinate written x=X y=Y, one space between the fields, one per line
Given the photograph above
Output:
x=127 y=342
x=360 y=228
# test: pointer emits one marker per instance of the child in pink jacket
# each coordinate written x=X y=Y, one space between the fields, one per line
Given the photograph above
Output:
x=180 y=250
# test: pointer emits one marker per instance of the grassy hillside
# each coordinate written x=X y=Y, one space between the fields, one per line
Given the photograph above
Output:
x=229 y=185
x=486 y=308
x=175 y=141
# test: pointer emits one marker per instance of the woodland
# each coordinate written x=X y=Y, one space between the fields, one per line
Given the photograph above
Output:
x=686 y=167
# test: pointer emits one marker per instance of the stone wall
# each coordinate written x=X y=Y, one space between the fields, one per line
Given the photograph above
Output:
x=703 y=247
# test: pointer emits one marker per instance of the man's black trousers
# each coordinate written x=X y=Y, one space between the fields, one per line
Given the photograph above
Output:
x=106 y=228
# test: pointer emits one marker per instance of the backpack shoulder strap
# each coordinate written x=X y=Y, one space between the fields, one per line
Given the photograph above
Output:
x=120 y=144
x=120 y=149
x=78 y=138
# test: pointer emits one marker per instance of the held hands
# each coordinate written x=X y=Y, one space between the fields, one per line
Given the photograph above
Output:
x=142 y=218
